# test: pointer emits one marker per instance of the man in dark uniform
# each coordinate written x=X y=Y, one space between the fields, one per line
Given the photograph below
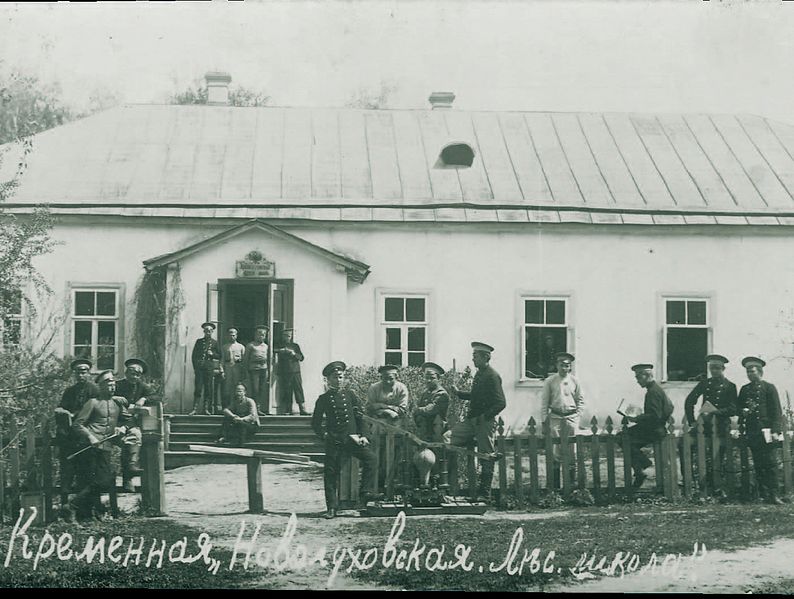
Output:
x=206 y=358
x=338 y=421
x=760 y=417
x=288 y=371
x=486 y=399
x=72 y=400
x=433 y=402
x=721 y=394
x=651 y=425
x=135 y=393
x=99 y=418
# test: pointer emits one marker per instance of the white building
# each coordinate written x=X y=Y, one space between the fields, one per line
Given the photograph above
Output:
x=622 y=238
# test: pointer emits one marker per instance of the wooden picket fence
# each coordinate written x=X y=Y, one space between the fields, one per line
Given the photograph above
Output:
x=594 y=465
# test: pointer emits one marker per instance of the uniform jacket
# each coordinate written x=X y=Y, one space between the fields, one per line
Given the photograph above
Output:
x=486 y=396
x=99 y=418
x=561 y=396
x=396 y=399
x=287 y=363
x=657 y=410
x=338 y=413
x=759 y=407
x=132 y=392
x=720 y=392
x=431 y=404
x=72 y=400
x=205 y=349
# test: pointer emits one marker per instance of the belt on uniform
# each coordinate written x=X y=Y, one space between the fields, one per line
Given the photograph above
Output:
x=563 y=414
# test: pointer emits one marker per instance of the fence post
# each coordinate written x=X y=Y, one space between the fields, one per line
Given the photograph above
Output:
x=256 y=502
x=787 y=482
x=595 y=451
x=14 y=461
x=627 y=479
x=581 y=471
x=702 y=479
x=716 y=463
x=534 y=483
x=153 y=460
x=745 y=466
x=548 y=443
x=686 y=457
x=565 y=459
x=2 y=477
x=518 y=472
x=610 y=439
x=669 y=461
x=502 y=444
x=730 y=461
x=46 y=468
x=390 y=465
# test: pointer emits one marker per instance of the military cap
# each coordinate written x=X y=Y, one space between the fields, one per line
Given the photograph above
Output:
x=141 y=364
x=564 y=355
x=105 y=375
x=288 y=330
x=80 y=362
x=641 y=367
x=480 y=346
x=388 y=368
x=262 y=326
x=717 y=358
x=208 y=324
x=433 y=366
x=333 y=366
x=753 y=361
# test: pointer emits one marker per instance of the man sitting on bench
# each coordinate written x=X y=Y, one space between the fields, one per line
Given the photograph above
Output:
x=240 y=418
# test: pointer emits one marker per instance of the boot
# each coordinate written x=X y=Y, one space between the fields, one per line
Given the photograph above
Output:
x=486 y=477
x=302 y=410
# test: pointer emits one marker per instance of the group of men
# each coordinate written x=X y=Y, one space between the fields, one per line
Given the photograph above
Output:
x=220 y=369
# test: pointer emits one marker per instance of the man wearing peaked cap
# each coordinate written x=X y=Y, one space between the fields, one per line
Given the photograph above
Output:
x=761 y=417
x=206 y=359
x=486 y=399
x=338 y=421
x=388 y=398
x=433 y=403
x=288 y=373
x=256 y=355
x=136 y=393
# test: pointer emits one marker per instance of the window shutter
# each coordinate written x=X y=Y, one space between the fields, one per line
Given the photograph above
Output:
x=663 y=374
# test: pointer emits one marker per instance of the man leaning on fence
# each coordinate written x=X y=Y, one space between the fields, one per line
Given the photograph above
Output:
x=136 y=394
x=562 y=403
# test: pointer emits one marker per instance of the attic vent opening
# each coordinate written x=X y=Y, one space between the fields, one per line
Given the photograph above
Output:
x=457 y=155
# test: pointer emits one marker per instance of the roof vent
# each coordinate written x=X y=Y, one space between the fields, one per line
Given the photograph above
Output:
x=441 y=99
x=218 y=88
x=456 y=155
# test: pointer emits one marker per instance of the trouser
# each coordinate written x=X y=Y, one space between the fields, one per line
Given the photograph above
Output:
x=130 y=453
x=238 y=432
x=94 y=475
x=68 y=470
x=234 y=373
x=207 y=391
x=765 y=465
x=257 y=380
x=335 y=450
x=563 y=426
x=641 y=436
x=289 y=384
x=479 y=431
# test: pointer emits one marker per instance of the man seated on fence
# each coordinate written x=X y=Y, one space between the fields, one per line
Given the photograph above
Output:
x=337 y=420
x=387 y=399
x=562 y=404
x=486 y=400
x=100 y=424
x=650 y=426
x=433 y=403
x=719 y=404
x=240 y=418
x=136 y=394
x=72 y=400
x=760 y=421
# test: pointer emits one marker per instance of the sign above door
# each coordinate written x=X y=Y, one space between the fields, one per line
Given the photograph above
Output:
x=256 y=266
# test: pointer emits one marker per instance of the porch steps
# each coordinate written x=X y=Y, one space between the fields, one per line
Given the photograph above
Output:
x=287 y=434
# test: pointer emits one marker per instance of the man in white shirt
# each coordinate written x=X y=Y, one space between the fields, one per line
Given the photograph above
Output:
x=233 y=354
x=387 y=400
x=562 y=403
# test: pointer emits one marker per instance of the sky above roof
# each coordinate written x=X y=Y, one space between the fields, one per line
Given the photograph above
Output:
x=626 y=56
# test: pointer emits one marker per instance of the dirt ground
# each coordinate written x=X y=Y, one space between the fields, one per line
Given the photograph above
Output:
x=213 y=499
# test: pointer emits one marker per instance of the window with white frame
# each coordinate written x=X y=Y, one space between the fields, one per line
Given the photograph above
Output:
x=11 y=325
x=95 y=326
x=404 y=329
x=686 y=338
x=545 y=334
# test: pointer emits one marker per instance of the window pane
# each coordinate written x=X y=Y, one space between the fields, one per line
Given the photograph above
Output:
x=84 y=303
x=393 y=338
x=394 y=358
x=696 y=312
x=416 y=358
x=543 y=343
x=685 y=351
x=82 y=351
x=107 y=332
x=533 y=311
x=416 y=339
x=106 y=303
x=675 y=312
x=555 y=312
x=106 y=360
x=11 y=331
x=415 y=309
x=395 y=309
x=82 y=332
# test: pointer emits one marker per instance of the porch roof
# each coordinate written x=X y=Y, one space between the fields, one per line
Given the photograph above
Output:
x=356 y=271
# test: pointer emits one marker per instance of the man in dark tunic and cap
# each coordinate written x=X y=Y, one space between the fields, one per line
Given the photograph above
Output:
x=206 y=359
x=136 y=393
x=288 y=373
x=337 y=420
x=760 y=420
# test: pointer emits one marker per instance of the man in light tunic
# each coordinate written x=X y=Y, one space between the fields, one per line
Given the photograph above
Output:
x=387 y=399
x=233 y=354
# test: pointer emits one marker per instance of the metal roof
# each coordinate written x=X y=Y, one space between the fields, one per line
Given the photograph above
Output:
x=371 y=165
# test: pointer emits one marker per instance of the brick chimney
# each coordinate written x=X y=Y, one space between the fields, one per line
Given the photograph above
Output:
x=218 y=88
x=441 y=99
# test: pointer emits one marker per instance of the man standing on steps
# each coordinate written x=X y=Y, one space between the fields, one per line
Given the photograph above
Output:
x=486 y=399
x=288 y=371
x=338 y=421
x=136 y=393
x=255 y=365
x=233 y=356
x=206 y=359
